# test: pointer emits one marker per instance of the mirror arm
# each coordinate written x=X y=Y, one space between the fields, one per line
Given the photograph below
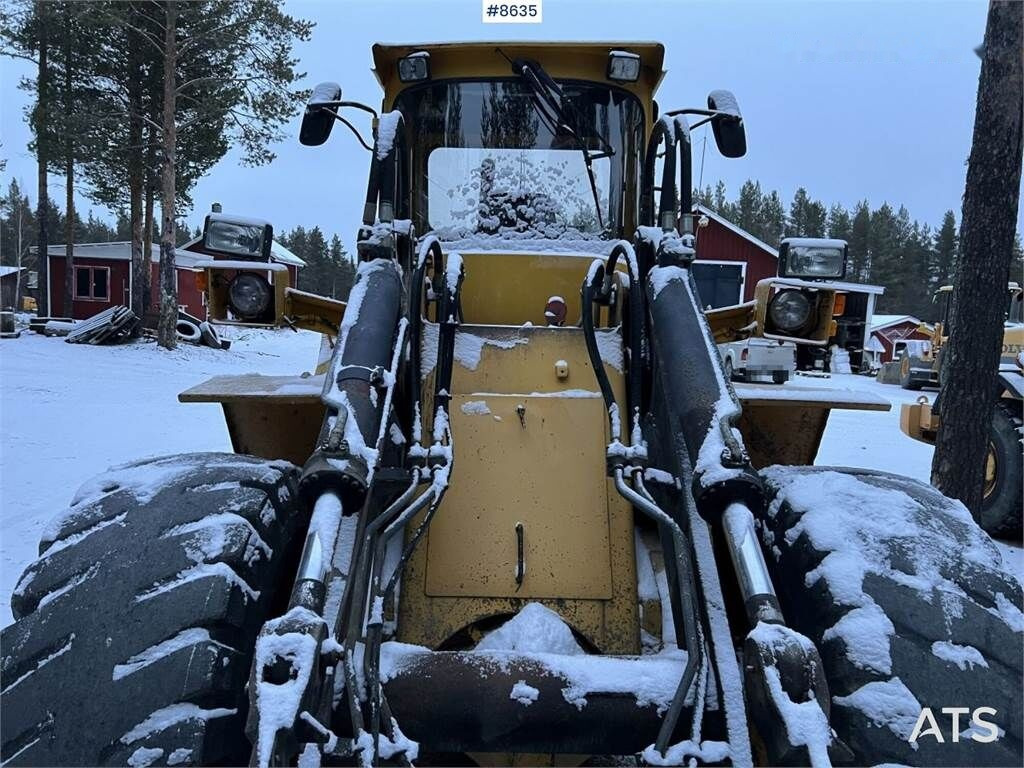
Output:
x=348 y=125
x=330 y=105
x=359 y=105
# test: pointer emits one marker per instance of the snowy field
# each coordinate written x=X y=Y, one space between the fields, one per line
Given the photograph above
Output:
x=67 y=412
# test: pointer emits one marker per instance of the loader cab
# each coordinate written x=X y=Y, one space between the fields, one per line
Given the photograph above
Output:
x=526 y=201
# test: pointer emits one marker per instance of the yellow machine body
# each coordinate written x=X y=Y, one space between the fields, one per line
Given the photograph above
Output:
x=528 y=416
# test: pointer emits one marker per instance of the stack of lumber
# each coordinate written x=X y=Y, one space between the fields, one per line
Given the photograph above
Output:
x=108 y=327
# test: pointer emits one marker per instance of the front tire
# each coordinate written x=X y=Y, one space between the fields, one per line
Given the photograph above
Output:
x=1001 y=506
x=906 y=378
x=908 y=603
x=135 y=628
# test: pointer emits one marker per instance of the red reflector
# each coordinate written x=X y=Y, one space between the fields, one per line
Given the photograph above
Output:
x=743 y=354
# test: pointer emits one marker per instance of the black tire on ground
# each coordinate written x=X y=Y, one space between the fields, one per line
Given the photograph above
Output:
x=906 y=380
x=188 y=331
x=1001 y=510
x=210 y=336
x=780 y=377
x=909 y=605
x=135 y=628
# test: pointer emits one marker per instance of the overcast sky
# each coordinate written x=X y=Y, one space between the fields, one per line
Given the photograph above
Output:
x=853 y=100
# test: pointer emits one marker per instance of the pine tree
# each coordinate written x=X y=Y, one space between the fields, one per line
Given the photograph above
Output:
x=748 y=207
x=773 y=219
x=720 y=204
x=796 y=221
x=883 y=257
x=945 y=249
x=838 y=224
x=344 y=270
x=860 y=237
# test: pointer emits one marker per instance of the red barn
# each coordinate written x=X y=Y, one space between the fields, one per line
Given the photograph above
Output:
x=103 y=279
x=888 y=330
x=730 y=261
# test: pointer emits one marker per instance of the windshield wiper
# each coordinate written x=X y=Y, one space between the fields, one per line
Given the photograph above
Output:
x=547 y=101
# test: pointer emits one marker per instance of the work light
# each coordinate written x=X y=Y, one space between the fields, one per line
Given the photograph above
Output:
x=623 y=66
x=414 y=67
x=249 y=295
x=812 y=258
x=790 y=310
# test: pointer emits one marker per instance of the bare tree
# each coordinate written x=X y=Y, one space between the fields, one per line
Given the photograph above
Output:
x=990 y=206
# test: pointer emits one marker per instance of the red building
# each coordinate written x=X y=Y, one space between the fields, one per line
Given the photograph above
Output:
x=730 y=261
x=103 y=277
x=888 y=330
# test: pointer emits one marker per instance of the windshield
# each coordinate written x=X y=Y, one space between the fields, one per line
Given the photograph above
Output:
x=485 y=163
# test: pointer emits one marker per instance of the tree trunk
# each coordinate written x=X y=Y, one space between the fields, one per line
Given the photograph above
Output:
x=167 y=328
x=136 y=180
x=42 y=90
x=69 y=176
x=991 y=198
x=147 y=229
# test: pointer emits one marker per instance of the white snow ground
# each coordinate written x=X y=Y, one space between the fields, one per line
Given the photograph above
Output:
x=68 y=412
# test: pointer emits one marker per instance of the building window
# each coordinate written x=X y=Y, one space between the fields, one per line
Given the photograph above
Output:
x=92 y=283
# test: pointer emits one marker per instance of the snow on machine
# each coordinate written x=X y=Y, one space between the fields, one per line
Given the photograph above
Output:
x=523 y=514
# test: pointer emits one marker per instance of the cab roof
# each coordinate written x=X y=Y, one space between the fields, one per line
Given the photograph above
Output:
x=570 y=60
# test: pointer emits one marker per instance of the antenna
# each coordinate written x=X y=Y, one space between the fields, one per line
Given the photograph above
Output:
x=703 y=148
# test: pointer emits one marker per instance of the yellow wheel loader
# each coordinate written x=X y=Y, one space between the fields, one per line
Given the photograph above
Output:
x=522 y=517
x=1000 y=513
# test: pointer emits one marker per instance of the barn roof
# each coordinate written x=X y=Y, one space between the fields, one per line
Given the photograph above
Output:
x=878 y=322
x=737 y=230
x=5 y=271
x=118 y=250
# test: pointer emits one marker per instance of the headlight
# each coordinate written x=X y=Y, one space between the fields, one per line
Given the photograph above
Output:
x=790 y=310
x=812 y=258
x=249 y=295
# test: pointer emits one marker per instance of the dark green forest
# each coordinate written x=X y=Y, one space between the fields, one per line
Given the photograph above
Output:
x=887 y=246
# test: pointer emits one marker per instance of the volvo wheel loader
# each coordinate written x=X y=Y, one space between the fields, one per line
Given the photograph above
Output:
x=1000 y=513
x=522 y=516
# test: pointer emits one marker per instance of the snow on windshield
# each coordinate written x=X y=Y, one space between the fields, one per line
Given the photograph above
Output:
x=496 y=191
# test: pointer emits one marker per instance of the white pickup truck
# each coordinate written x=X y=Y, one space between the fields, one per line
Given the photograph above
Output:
x=759 y=360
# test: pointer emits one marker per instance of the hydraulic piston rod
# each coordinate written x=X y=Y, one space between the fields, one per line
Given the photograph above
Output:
x=759 y=597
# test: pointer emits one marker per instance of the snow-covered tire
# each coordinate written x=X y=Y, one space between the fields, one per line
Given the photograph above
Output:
x=210 y=336
x=910 y=606
x=135 y=628
x=188 y=331
x=1001 y=510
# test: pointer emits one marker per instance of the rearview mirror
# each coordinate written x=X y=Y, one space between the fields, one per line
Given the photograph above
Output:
x=730 y=135
x=318 y=120
x=812 y=258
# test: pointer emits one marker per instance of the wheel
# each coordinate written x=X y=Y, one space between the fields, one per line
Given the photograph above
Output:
x=135 y=628
x=905 y=378
x=1001 y=506
x=910 y=607
x=780 y=377
x=729 y=373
